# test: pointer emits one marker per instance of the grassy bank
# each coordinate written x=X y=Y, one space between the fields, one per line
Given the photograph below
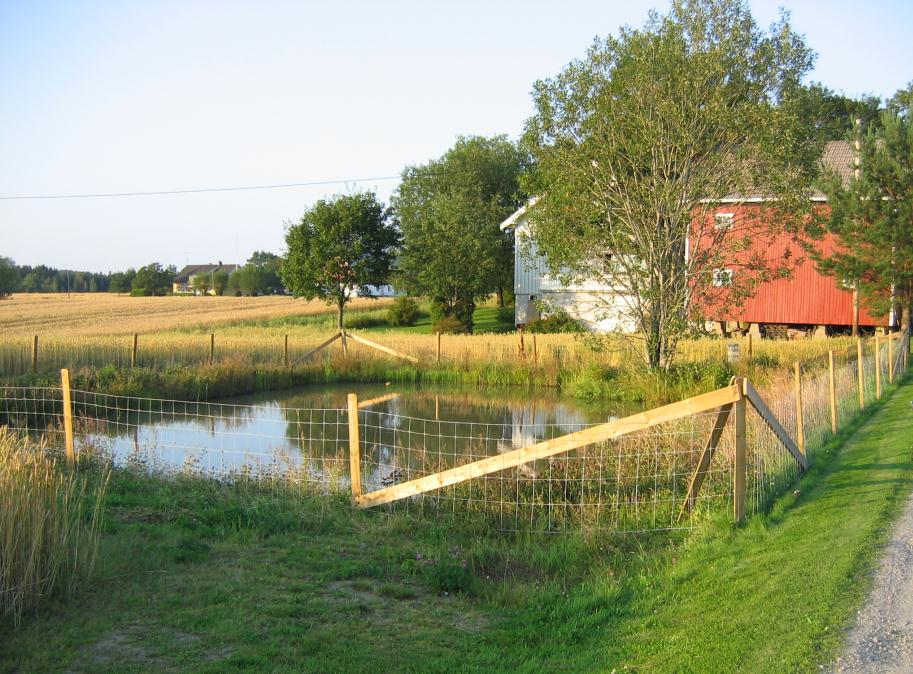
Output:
x=206 y=577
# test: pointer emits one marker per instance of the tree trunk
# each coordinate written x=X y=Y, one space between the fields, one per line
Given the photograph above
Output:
x=500 y=292
x=905 y=317
x=342 y=305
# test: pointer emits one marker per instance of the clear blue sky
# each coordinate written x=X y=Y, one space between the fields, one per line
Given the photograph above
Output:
x=128 y=96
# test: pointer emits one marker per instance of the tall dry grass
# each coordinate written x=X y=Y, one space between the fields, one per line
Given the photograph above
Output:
x=50 y=521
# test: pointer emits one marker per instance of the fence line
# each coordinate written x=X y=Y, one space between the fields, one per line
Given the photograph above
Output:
x=653 y=471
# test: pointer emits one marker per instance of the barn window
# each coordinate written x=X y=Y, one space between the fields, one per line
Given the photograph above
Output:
x=723 y=220
x=722 y=277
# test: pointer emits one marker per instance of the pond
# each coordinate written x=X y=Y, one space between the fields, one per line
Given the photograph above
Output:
x=404 y=430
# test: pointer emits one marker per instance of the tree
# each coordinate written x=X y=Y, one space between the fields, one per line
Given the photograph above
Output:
x=449 y=211
x=153 y=279
x=9 y=277
x=831 y=116
x=340 y=246
x=872 y=216
x=219 y=282
x=635 y=144
x=122 y=281
x=268 y=278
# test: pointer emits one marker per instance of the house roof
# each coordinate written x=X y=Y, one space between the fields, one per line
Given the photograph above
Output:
x=512 y=221
x=197 y=269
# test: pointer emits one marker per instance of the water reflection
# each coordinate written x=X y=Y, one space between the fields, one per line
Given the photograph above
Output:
x=404 y=431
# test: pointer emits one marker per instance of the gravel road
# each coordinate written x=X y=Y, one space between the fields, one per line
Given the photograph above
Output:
x=882 y=638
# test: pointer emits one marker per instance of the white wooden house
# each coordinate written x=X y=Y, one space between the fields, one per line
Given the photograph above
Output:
x=597 y=305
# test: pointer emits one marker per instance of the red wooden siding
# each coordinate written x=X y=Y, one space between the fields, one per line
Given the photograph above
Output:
x=806 y=298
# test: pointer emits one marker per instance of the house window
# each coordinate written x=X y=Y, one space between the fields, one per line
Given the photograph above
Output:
x=723 y=220
x=722 y=277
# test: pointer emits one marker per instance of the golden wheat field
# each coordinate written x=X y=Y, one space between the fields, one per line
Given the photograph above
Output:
x=104 y=314
x=97 y=330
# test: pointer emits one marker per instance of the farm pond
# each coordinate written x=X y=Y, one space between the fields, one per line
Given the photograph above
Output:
x=403 y=430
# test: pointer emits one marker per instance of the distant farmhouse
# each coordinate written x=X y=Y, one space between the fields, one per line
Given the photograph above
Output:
x=183 y=283
x=807 y=302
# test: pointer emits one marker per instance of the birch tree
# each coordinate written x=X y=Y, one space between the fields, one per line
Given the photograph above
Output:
x=637 y=143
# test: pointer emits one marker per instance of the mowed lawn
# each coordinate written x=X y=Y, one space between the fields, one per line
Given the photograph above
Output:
x=200 y=577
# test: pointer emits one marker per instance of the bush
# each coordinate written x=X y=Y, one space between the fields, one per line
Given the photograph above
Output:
x=403 y=312
x=506 y=314
x=140 y=292
x=450 y=325
x=558 y=321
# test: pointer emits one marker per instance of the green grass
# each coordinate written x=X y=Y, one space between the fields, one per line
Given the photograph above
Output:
x=196 y=576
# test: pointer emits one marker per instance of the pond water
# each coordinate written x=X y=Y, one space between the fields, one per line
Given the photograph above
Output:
x=404 y=430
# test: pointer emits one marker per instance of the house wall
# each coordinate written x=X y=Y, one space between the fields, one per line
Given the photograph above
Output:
x=807 y=297
x=598 y=306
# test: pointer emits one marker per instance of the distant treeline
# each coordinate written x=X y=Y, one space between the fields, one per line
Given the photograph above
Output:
x=44 y=279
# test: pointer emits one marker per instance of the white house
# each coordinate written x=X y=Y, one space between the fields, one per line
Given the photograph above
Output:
x=591 y=301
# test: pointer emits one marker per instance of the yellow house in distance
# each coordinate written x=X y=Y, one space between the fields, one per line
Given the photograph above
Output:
x=185 y=283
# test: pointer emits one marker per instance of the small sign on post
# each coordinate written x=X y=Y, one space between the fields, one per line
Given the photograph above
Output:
x=733 y=353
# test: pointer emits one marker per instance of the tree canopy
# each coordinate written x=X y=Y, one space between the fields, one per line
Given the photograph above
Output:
x=340 y=246
x=873 y=215
x=153 y=279
x=636 y=143
x=449 y=211
x=9 y=279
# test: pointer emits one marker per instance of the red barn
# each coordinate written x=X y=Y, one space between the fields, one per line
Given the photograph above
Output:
x=807 y=301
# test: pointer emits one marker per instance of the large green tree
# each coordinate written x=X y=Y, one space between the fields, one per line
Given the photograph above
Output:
x=831 y=116
x=636 y=144
x=872 y=216
x=449 y=211
x=342 y=245
x=153 y=279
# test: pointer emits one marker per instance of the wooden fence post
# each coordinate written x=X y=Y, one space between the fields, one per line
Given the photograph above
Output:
x=345 y=343
x=800 y=421
x=212 y=347
x=285 y=356
x=833 y=391
x=67 y=417
x=890 y=357
x=522 y=346
x=535 y=349
x=877 y=367
x=750 y=349
x=438 y=347
x=740 y=477
x=35 y=354
x=133 y=351
x=354 y=446
x=860 y=373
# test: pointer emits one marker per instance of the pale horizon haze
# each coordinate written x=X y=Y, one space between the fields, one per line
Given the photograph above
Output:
x=103 y=97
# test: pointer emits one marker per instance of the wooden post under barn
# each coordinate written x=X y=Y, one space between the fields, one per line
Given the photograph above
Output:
x=354 y=446
x=67 y=417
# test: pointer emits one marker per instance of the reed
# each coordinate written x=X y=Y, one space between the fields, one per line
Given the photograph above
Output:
x=50 y=521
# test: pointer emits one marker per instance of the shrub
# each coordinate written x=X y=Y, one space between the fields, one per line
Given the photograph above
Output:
x=450 y=325
x=403 y=312
x=140 y=292
x=506 y=314
x=557 y=321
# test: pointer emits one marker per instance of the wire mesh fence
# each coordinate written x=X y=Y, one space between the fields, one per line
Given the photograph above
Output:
x=638 y=481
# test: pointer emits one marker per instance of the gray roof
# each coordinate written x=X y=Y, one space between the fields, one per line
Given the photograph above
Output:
x=197 y=269
x=839 y=156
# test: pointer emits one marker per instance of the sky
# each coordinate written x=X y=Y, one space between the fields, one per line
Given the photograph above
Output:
x=127 y=96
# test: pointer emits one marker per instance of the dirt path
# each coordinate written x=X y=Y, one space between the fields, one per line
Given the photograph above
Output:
x=882 y=638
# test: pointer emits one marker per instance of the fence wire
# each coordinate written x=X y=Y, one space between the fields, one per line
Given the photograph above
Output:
x=637 y=482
